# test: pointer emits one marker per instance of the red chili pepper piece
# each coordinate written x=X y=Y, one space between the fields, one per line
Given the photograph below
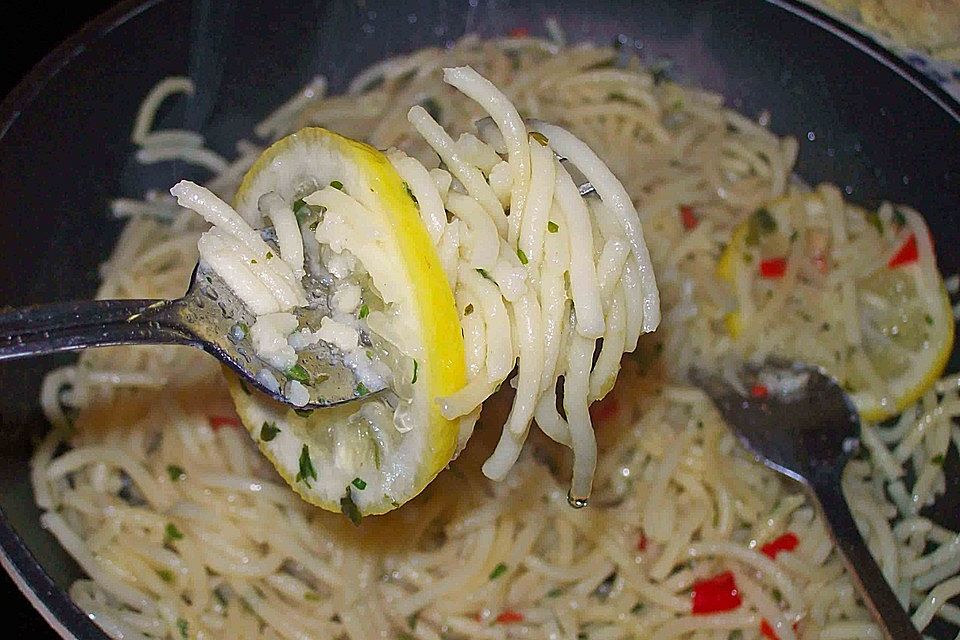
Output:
x=907 y=254
x=642 y=542
x=223 y=421
x=509 y=617
x=786 y=542
x=519 y=32
x=773 y=268
x=759 y=391
x=605 y=409
x=688 y=217
x=766 y=630
x=716 y=594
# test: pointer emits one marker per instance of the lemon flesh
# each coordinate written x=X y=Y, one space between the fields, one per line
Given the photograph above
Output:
x=906 y=331
x=372 y=455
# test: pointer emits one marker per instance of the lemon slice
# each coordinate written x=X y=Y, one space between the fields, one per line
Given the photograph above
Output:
x=369 y=456
x=903 y=321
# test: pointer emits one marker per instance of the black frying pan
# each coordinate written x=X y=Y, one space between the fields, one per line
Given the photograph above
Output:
x=875 y=127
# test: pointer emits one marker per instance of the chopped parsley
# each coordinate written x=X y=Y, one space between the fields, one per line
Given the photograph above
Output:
x=416 y=366
x=362 y=389
x=269 y=431
x=899 y=218
x=253 y=261
x=359 y=483
x=522 y=256
x=166 y=575
x=553 y=593
x=484 y=273
x=409 y=191
x=269 y=255
x=244 y=387
x=928 y=319
x=938 y=459
x=183 y=628
x=220 y=597
x=467 y=310
x=637 y=608
x=336 y=184
x=761 y=222
x=616 y=96
x=431 y=107
x=364 y=311
x=873 y=218
x=498 y=571
x=349 y=508
x=298 y=373
x=311 y=596
x=303 y=413
x=552 y=226
x=307 y=472
x=539 y=137
x=171 y=532
x=176 y=472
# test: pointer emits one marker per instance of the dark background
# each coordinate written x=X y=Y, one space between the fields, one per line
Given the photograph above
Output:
x=30 y=30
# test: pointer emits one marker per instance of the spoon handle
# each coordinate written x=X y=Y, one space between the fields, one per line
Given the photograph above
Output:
x=68 y=326
x=889 y=614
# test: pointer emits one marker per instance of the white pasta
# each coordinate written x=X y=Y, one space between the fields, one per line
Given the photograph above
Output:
x=185 y=530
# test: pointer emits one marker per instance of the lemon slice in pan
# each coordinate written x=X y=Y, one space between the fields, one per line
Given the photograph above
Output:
x=903 y=314
x=372 y=455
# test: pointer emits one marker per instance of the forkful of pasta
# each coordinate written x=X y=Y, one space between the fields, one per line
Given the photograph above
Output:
x=369 y=302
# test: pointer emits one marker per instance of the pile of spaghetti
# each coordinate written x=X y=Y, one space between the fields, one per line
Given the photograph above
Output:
x=184 y=531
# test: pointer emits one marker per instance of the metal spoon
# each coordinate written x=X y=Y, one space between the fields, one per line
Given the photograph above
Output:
x=805 y=427
x=209 y=316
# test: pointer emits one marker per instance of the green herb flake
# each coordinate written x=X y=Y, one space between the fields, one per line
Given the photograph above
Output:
x=616 y=96
x=298 y=373
x=349 y=508
x=416 y=366
x=483 y=272
x=761 y=223
x=253 y=261
x=166 y=575
x=269 y=431
x=467 y=310
x=777 y=595
x=409 y=191
x=269 y=255
x=183 y=628
x=928 y=319
x=307 y=472
x=359 y=483
x=176 y=472
x=637 y=608
x=553 y=593
x=522 y=256
x=364 y=311
x=938 y=459
x=244 y=387
x=539 y=137
x=303 y=413
x=362 y=389
x=873 y=218
x=899 y=218
x=498 y=571
x=221 y=599
x=433 y=108
x=311 y=596
x=552 y=226
x=171 y=532
x=336 y=184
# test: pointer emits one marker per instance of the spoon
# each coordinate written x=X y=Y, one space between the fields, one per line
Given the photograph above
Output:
x=806 y=427
x=209 y=316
